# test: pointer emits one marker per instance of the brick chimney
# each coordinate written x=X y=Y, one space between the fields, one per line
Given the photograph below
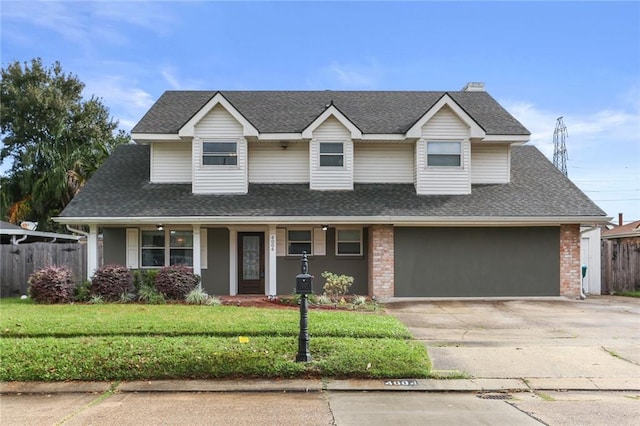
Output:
x=474 y=86
x=620 y=222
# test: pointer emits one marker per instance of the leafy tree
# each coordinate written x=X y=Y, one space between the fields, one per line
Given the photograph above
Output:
x=53 y=138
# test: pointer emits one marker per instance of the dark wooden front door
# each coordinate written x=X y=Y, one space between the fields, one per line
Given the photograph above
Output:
x=250 y=262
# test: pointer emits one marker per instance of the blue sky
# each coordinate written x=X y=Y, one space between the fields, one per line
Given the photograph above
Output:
x=541 y=60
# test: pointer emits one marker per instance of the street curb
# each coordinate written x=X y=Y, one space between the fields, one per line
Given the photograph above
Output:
x=319 y=385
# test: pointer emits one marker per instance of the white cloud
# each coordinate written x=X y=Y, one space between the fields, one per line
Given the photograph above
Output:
x=170 y=75
x=126 y=102
x=85 y=22
x=348 y=76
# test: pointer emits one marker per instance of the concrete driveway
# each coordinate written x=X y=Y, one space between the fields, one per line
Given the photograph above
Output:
x=592 y=344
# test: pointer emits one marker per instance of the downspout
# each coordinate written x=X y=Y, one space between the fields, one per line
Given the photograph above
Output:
x=15 y=241
x=78 y=231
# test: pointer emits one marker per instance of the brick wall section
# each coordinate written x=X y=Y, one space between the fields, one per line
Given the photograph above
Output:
x=570 y=272
x=381 y=261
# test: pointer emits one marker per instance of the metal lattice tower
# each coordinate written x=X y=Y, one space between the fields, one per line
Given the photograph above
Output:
x=560 y=135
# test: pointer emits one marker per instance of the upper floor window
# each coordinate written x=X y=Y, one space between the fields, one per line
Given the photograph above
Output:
x=447 y=154
x=219 y=153
x=331 y=154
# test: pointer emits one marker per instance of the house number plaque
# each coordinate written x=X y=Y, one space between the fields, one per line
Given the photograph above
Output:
x=401 y=383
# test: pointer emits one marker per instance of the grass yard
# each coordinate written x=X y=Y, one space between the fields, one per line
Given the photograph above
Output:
x=144 y=342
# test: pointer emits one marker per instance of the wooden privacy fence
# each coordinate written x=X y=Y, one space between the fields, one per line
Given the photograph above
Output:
x=17 y=262
x=620 y=266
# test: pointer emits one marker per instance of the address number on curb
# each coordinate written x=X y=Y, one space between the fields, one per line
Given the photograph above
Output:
x=401 y=383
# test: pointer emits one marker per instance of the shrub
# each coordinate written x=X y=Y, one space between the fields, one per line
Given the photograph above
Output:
x=198 y=296
x=110 y=282
x=142 y=277
x=323 y=299
x=81 y=291
x=336 y=285
x=359 y=300
x=53 y=284
x=176 y=281
x=148 y=293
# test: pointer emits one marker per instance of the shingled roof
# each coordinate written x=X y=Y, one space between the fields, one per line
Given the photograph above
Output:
x=373 y=112
x=121 y=189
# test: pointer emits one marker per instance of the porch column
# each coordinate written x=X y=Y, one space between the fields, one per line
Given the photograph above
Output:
x=381 y=261
x=92 y=251
x=233 y=261
x=271 y=262
x=197 y=263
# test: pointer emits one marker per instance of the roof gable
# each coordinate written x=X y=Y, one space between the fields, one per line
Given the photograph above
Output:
x=475 y=131
x=332 y=111
x=188 y=129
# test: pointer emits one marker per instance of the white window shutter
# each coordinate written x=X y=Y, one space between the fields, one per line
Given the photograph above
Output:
x=281 y=242
x=132 y=248
x=319 y=242
x=203 y=248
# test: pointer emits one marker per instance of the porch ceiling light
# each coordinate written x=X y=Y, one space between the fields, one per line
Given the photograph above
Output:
x=325 y=227
x=159 y=227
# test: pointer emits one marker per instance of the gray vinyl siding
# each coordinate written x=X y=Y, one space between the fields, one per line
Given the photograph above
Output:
x=114 y=244
x=289 y=267
x=477 y=262
x=215 y=279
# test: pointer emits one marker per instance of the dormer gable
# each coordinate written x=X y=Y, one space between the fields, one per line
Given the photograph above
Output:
x=188 y=129
x=475 y=131
x=332 y=111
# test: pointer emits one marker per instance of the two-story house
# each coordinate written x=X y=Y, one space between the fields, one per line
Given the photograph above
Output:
x=412 y=193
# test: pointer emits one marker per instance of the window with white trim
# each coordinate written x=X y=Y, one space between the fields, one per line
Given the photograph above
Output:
x=219 y=153
x=331 y=154
x=167 y=247
x=299 y=240
x=348 y=242
x=444 y=154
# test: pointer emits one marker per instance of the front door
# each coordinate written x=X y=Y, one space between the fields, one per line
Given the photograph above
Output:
x=250 y=262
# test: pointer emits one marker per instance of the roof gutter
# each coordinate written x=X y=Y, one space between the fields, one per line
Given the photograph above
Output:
x=341 y=220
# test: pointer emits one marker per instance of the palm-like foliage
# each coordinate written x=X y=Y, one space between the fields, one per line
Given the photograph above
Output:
x=54 y=139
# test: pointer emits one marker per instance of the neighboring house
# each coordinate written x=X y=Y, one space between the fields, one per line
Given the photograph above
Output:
x=412 y=193
x=627 y=233
x=13 y=234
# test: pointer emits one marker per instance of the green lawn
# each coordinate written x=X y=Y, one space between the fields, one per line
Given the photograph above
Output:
x=137 y=342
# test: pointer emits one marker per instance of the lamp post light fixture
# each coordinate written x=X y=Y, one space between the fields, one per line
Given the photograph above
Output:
x=304 y=286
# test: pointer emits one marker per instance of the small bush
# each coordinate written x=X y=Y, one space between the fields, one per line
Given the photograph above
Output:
x=358 y=300
x=197 y=296
x=176 y=281
x=81 y=291
x=147 y=293
x=110 y=282
x=336 y=285
x=213 y=301
x=323 y=299
x=142 y=277
x=53 y=284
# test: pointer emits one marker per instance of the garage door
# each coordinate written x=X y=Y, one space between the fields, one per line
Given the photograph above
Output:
x=477 y=262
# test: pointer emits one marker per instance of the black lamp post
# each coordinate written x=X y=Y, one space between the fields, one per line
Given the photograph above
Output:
x=304 y=286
